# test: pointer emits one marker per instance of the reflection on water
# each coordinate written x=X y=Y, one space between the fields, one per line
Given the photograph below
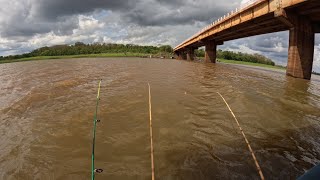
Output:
x=47 y=109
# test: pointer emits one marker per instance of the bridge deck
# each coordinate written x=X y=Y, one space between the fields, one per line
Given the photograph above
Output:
x=256 y=19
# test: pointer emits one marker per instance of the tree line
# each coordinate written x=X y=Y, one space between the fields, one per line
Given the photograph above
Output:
x=80 y=48
x=238 y=56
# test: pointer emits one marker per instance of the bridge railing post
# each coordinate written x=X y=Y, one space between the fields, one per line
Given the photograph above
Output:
x=279 y=4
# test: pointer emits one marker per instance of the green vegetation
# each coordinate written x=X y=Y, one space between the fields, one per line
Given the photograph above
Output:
x=315 y=73
x=76 y=56
x=251 y=64
x=80 y=49
x=243 y=57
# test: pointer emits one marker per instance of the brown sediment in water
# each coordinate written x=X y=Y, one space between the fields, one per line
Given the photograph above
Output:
x=47 y=109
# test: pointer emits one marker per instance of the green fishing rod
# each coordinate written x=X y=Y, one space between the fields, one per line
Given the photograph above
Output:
x=95 y=120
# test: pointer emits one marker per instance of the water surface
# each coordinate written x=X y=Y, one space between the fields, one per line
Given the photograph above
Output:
x=47 y=108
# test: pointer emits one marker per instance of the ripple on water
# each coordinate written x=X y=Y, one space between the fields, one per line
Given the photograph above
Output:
x=46 y=120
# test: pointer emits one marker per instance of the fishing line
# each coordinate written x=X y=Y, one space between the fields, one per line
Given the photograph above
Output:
x=95 y=120
x=151 y=134
x=245 y=138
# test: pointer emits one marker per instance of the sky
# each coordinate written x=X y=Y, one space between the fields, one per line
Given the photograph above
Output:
x=29 y=24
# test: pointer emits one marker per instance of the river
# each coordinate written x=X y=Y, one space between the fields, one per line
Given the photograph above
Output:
x=47 y=107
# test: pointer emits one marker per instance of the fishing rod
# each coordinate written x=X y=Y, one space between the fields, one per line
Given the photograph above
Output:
x=151 y=135
x=245 y=138
x=95 y=120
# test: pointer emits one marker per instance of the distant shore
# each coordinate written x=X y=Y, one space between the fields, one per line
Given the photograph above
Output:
x=251 y=64
x=142 y=55
x=77 y=56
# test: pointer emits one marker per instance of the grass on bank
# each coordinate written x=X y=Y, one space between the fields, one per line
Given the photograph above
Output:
x=251 y=64
x=77 y=56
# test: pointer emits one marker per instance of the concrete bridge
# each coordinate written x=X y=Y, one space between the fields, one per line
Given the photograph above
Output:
x=300 y=17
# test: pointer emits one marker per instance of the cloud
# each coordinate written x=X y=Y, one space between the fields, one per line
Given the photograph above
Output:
x=152 y=13
x=53 y=9
x=25 y=18
x=133 y=21
x=316 y=63
x=18 y=19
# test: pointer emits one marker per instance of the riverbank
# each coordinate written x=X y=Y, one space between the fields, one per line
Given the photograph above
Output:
x=105 y=55
x=109 y=55
x=251 y=64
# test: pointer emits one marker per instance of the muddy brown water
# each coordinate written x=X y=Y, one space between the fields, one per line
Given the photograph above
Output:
x=47 y=109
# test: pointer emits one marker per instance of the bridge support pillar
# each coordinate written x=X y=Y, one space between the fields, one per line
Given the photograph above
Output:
x=210 y=52
x=183 y=56
x=180 y=55
x=177 y=55
x=301 y=48
x=190 y=54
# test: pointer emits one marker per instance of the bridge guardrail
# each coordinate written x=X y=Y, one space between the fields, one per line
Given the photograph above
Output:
x=243 y=7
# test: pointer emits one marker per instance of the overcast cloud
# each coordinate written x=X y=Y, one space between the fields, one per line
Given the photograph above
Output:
x=28 y=24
